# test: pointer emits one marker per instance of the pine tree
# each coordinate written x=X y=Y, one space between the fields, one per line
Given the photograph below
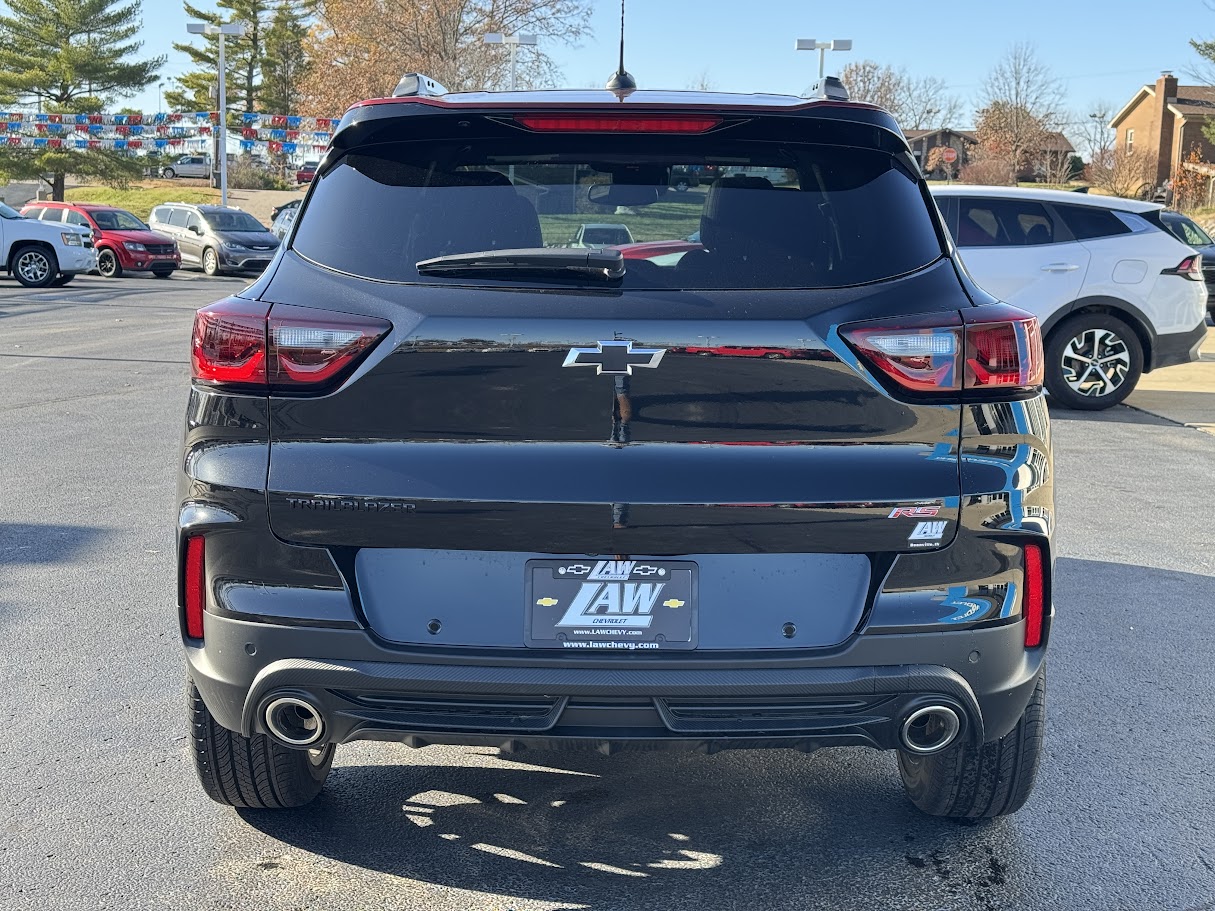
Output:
x=71 y=56
x=243 y=57
x=286 y=62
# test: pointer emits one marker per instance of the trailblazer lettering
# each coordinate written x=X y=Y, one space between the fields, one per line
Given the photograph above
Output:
x=629 y=604
x=347 y=504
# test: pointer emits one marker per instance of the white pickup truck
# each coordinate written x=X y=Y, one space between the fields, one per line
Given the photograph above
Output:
x=40 y=253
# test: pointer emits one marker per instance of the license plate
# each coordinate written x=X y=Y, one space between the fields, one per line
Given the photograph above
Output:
x=611 y=605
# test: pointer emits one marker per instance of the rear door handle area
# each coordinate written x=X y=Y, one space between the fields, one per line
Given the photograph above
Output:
x=1060 y=267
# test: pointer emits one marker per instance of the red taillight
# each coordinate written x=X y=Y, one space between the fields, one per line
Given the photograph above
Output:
x=995 y=347
x=229 y=344
x=629 y=123
x=195 y=587
x=1190 y=267
x=1003 y=349
x=237 y=343
x=1033 y=605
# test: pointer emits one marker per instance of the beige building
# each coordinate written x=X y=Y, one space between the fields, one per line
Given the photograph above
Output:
x=1166 y=121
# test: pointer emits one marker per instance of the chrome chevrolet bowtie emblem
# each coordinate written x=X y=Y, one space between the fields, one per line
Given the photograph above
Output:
x=614 y=357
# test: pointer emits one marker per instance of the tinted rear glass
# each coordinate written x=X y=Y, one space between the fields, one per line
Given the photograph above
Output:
x=1003 y=223
x=1086 y=222
x=706 y=214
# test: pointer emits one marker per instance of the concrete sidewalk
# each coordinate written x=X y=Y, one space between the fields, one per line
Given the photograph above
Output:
x=1183 y=394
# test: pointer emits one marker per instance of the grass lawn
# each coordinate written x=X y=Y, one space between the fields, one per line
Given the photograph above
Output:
x=668 y=220
x=140 y=201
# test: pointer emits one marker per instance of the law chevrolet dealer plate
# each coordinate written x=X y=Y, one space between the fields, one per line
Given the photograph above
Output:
x=611 y=605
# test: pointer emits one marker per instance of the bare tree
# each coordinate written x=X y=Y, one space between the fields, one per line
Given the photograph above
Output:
x=1022 y=105
x=1095 y=132
x=702 y=82
x=1057 y=166
x=1121 y=172
x=916 y=103
x=367 y=44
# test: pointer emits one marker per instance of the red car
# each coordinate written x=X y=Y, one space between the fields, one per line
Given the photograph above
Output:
x=123 y=242
x=307 y=172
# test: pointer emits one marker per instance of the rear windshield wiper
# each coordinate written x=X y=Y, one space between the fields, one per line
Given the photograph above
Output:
x=605 y=264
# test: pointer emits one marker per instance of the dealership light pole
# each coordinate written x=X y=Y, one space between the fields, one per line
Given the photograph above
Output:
x=236 y=30
x=513 y=42
x=809 y=44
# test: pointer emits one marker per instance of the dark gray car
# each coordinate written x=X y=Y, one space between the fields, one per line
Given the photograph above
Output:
x=216 y=238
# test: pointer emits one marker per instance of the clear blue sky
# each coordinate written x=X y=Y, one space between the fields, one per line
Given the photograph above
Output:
x=1100 y=49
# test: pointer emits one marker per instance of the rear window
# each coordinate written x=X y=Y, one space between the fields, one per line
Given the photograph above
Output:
x=1086 y=222
x=705 y=213
x=1188 y=232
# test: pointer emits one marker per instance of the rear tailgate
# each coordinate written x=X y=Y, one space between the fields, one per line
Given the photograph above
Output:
x=465 y=433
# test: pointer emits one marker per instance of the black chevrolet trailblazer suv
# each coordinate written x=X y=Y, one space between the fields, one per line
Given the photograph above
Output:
x=775 y=474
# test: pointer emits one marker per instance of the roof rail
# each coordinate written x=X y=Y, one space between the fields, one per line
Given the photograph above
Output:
x=830 y=88
x=417 y=84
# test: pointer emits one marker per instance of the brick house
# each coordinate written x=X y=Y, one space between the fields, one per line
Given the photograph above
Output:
x=1166 y=120
x=964 y=141
x=924 y=141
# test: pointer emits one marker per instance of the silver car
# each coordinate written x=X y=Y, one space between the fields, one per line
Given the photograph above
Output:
x=216 y=238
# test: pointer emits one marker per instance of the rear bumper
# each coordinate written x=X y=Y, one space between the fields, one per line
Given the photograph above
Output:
x=857 y=695
x=1178 y=347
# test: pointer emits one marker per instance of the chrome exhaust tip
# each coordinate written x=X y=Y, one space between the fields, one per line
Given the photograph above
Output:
x=930 y=729
x=294 y=721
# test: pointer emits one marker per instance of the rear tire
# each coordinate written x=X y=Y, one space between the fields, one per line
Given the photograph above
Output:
x=992 y=779
x=1093 y=361
x=253 y=772
x=168 y=173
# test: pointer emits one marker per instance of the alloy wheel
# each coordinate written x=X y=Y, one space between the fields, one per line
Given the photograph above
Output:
x=1095 y=362
x=107 y=263
x=33 y=266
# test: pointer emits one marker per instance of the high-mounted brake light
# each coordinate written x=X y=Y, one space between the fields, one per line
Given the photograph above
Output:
x=627 y=123
x=238 y=344
x=994 y=347
x=1033 y=605
x=195 y=587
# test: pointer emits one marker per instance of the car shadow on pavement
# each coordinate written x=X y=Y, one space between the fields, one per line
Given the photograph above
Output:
x=647 y=830
x=27 y=543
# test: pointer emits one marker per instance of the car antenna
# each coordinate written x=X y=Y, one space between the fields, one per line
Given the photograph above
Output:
x=621 y=84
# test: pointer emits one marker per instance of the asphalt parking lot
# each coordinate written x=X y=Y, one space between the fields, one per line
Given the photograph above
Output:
x=99 y=807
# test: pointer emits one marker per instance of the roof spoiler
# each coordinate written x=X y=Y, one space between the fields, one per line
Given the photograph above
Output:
x=417 y=84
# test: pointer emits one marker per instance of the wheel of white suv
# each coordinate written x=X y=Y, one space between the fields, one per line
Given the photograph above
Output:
x=34 y=267
x=210 y=261
x=978 y=782
x=255 y=771
x=168 y=173
x=1093 y=361
x=108 y=265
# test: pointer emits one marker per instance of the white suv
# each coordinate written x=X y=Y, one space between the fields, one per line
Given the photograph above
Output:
x=39 y=253
x=1116 y=294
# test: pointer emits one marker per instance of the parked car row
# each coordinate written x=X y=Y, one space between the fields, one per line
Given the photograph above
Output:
x=92 y=237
